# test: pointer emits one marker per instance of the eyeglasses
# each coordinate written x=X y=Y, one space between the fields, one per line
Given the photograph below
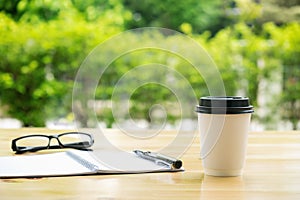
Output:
x=33 y=143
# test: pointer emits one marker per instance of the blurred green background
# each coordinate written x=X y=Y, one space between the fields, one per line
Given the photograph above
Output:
x=255 y=44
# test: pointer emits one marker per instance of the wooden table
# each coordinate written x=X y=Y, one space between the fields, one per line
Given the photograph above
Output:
x=272 y=171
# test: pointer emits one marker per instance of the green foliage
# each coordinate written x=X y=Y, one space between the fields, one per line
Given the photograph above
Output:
x=288 y=48
x=280 y=12
x=39 y=62
x=158 y=89
x=43 y=43
x=200 y=16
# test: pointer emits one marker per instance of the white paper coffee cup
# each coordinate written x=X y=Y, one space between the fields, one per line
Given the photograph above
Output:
x=224 y=125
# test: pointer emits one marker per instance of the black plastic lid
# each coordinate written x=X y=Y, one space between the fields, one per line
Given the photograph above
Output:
x=224 y=105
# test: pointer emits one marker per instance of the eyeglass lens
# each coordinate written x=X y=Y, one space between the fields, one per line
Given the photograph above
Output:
x=33 y=141
x=76 y=140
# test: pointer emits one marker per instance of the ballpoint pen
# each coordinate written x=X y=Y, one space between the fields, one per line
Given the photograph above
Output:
x=159 y=159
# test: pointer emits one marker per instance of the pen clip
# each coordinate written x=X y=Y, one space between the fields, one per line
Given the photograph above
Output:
x=161 y=162
x=160 y=159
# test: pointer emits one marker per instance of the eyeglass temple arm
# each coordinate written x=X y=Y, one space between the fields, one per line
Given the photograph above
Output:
x=86 y=143
x=29 y=149
x=33 y=149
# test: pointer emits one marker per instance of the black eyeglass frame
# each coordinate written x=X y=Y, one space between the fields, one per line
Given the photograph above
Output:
x=76 y=145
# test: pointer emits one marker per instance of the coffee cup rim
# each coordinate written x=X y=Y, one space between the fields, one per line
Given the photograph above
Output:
x=224 y=110
x=224 y=105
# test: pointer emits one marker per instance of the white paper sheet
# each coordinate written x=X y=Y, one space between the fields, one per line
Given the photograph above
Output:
x=75 y=163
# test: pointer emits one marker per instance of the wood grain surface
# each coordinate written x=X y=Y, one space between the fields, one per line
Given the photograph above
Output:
x=272 y=170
